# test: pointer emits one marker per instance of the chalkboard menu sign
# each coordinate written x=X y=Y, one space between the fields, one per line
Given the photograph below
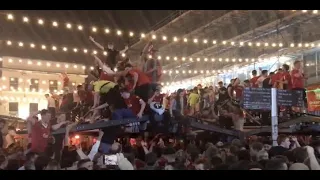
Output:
x=290 y=98
x=257 y=98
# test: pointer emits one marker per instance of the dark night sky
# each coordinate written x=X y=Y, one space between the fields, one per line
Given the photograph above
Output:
x=127 y=20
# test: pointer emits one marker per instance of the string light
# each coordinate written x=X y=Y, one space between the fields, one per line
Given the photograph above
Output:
x=25 y=19
x=54 y=24
x=48 y=64
x=68 y=25
x=40 y=21
x=95 y=29
x=55 y=48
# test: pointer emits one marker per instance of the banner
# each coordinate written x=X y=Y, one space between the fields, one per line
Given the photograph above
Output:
x=313 y=97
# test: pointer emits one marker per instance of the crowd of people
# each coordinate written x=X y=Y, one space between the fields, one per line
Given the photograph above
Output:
x=162 y=152
x=118 y=90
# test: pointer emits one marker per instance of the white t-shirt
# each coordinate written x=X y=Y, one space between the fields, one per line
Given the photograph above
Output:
x=260 y=80
x=51 y=102
x=157 y=107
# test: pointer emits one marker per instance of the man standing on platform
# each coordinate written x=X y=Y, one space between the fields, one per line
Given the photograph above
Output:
x=51 y=105
x=112 y=53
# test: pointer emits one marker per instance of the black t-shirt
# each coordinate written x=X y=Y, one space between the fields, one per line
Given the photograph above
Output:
x=223 y=94
x=113 y=97
x=111 y=59
x=232 y=90
x=266 y=84
x=277 y=150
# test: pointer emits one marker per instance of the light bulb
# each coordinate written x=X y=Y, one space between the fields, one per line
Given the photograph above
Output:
x=69 y=26
x=10 y=16
x=54 y=23
x=40 y=21
x=25 y=19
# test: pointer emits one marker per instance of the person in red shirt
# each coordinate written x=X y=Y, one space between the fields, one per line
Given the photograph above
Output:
x=254 y=79
x=238 y=89
x=298 y=78
x=140 y=82
x=157 y=97
x=135 y=103
x=40 y=131
x=137 y=106
x=276 y=79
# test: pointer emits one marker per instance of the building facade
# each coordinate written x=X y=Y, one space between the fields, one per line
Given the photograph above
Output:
x=24 y=82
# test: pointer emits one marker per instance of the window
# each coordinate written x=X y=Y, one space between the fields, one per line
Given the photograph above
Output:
x=13 y=108
x=33 y=107
x=53 y=85
x=34 y=85
x=14 y=83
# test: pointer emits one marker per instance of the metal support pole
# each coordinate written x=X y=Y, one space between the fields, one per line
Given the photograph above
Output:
x=274 y=116
x=317 y=65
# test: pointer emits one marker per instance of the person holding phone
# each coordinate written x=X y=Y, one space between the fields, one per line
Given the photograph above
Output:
x=116 y=158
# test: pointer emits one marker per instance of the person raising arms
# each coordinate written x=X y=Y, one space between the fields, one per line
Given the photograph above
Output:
x=112 y=53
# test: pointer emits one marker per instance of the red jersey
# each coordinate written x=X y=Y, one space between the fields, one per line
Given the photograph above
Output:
x=105 y=76
x=239 y=91
x=133 y=103
x=158 y=99
x=276 y=77
x=287 y=77
x=89 y=97
x=253 y=82
x=142 y=77
x=38 y=141
x=297 y=82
